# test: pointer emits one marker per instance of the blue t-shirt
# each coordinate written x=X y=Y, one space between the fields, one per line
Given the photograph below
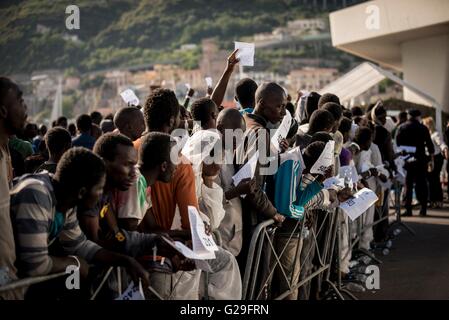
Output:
x=84 y=140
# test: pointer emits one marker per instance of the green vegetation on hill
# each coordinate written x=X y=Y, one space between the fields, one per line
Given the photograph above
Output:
x=117 y=33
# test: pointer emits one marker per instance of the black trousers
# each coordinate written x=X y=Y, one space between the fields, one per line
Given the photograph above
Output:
x=416 y=178
x=435 y=189
x=381 y=229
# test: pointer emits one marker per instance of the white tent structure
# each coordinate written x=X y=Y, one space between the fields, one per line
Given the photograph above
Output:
x=367 y=75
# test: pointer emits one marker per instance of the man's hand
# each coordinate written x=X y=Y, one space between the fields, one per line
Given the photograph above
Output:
x=332 y=195
x=299 y=95
x=136 y=271
x=344 y=194
x=278 y=218
x=232 y=61
x=209 y=91
x=190 y=93
x=283 y=145
x=326 y=175
x=373 y=172
x=246 y=186
x=181 y=263
x=383 y=178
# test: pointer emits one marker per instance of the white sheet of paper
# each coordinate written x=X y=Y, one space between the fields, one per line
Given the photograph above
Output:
x=408 y=149
x=188 y=86
x=334 y=181
x=133 y=292
x=245 y=53
x=208 y=82
x=189 y=253
x=350 y=173
x=293 y=154
x=282 y=131
x=247 y=171
x=201 y=242
x=130 y=97
x=325 y=160
x=357 y=205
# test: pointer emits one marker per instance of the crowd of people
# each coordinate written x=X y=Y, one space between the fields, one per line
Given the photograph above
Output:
x=110 y=191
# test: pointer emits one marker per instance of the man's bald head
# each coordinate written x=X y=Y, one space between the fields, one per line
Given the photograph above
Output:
x=130 y=122
x=270 y=102
x=269 y=90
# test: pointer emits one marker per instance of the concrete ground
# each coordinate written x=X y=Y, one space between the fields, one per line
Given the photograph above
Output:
x=417 y=266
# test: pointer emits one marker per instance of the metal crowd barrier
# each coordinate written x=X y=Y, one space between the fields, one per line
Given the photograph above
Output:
x=324 y=255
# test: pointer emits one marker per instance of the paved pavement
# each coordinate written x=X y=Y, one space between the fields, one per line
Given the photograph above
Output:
x=417 y=266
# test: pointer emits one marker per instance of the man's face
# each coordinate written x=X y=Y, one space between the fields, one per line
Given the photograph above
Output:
x=168 y=167
x=14 y=110
x=212 y=123
x=121 y=173
x=366 y=145
x=175 y=121
x=92 y=196
x=274 y=107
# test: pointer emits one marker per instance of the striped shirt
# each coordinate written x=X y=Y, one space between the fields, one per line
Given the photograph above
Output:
x=33 y=210
x=320 y=200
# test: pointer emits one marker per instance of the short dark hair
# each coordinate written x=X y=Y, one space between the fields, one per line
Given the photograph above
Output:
x=312 y=152
x=321 y=136
x=245 y=91
x=402 y=115
x=106 y=145
x=123 y=116
x=71 y=128
x=333 y=108
x=290 y=107
x=312 y=103
x=7 y=84
x=357 y=111
x=414 y=113
x=61 y=119
x=201 y=110
x=107 y=125
x=347 y=113
x=79 y=168
x=161 y=105
x=328 y=97
x=320 y=120
x=362 y=135
x=96 y=117
x=84 y=123
x=345 y=125
x=293 y=129
x=58 y=140
x=154 y=150
x=43 y=129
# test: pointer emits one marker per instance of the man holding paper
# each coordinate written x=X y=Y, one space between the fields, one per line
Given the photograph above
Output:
x=256 y=207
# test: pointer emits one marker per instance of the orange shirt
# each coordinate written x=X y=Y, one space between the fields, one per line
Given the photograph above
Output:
x=179 y=191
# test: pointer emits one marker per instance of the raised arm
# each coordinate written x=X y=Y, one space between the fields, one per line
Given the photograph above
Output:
x=220 y=89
